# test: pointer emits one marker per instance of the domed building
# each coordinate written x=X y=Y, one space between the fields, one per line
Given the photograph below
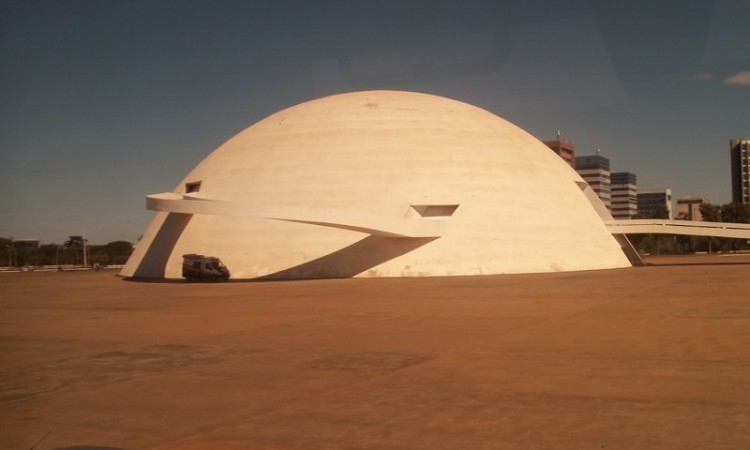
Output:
x=379 y=184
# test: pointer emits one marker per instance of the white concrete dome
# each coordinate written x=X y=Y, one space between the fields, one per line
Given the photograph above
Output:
x=378 y=183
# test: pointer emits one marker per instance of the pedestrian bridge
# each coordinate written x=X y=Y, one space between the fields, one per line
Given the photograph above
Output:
x=686 y=227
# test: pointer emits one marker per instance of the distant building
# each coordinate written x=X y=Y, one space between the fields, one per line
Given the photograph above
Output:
x=690 y=208
x=740 y=160
x=565 y=149
x=624 y=191
x=655 y=203
x=31 y=243
x=594 y=170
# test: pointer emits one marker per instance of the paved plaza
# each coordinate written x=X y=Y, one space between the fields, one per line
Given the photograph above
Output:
x=655 y=357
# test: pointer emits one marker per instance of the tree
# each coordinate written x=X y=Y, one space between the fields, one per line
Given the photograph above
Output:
x=97 y=255
x=735 y=213
x=46 y=255
x=730 y=212
x=654 y=243
x=710 y=212
x=6 y=251
x=118 y=252
x=76 y=243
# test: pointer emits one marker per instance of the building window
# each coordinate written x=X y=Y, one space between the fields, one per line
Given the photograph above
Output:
x=192 y=187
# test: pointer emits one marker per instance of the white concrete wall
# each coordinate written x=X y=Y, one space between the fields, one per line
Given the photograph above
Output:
x=377 y=153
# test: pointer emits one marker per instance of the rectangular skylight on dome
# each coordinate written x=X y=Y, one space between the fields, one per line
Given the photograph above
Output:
x=192 y=187
x=435 y=211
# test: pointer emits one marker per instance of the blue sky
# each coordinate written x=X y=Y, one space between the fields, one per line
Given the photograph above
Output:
x=104 y=102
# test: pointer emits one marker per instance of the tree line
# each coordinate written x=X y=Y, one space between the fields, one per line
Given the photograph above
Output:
x=680 y=244
x=22 y=253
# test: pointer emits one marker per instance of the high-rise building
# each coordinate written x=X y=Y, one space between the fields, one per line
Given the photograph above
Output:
x=655 y=203
x=689 y=208
x=740 y=158
x=594 y=169
x=624 y=191
x=564 y=148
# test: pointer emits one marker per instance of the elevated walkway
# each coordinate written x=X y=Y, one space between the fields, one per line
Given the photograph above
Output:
x=685 y=227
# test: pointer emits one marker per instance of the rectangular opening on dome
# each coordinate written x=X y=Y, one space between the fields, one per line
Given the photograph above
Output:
x=435 y=210
x=192 y=187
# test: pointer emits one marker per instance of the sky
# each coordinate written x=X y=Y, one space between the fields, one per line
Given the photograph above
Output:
x=105 y=102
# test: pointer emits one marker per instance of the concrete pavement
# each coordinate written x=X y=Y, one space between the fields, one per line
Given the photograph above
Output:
x=656 y=357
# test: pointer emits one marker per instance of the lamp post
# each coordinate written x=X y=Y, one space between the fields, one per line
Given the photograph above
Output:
x=11 y=254
x=85 y=260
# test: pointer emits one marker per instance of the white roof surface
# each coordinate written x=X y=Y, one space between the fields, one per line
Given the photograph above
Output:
x=378 y=183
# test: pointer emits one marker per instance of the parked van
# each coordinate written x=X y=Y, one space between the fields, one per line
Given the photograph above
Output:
x=199 y=267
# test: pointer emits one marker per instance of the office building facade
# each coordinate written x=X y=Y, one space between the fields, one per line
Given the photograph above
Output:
x=594 y=169
x=624 y=193
x=740 y=160
x=565 y=149
x=655 y=203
